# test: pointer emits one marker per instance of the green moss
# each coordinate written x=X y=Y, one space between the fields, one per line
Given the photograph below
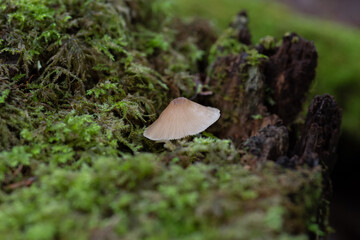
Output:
x=226 y=44
x=138 y=196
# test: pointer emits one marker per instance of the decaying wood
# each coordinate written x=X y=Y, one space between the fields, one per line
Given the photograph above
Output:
x=241 y=88
x=321 y=132
x=289 y=73
x=240 y=24
x=269 y=143
x=318 y=140
x=259 y=126
x=241 y=95
x=318 y=144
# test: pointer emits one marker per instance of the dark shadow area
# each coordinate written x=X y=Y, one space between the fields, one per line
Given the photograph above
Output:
x=345 y=207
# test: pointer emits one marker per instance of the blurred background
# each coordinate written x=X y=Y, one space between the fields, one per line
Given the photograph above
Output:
x=334 y=26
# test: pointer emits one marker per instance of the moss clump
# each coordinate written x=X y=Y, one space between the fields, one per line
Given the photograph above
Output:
x=142 y=197
x=79 y=82
x=89 y=57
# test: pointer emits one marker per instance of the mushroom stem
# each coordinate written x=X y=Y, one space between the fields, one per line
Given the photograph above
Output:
x=169 y=145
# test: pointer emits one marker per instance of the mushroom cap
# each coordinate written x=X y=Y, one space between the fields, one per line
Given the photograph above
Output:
x=181 y=118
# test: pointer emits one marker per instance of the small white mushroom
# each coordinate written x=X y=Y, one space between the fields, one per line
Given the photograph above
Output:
x=180 y=119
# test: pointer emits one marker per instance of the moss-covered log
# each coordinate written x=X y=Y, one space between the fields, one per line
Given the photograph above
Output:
x=79 y=82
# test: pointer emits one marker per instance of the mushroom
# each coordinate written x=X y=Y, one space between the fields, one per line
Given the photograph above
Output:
x=181 y=118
